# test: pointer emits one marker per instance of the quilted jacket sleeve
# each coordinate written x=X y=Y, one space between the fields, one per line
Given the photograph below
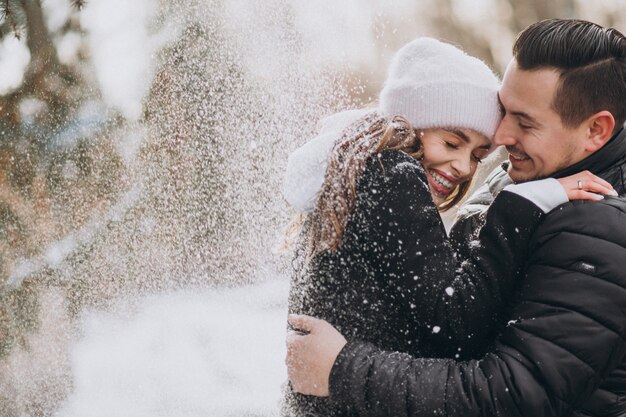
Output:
x=487 y=270
x=447 y=297
x=566 y=333
x=459 y=296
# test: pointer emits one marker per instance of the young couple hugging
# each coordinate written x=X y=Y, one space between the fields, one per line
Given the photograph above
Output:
x=521 y=310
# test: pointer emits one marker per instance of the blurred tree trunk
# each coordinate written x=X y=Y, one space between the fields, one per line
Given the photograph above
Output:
x=467 y=36
x=46 y=79
x=46 y=190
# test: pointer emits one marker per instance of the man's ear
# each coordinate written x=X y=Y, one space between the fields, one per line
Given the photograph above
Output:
x=600 y=130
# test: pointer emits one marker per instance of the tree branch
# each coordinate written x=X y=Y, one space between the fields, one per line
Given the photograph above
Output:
x=79 y=4
x=10 y=13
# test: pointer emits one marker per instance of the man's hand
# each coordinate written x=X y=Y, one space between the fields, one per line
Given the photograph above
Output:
x=311 y=352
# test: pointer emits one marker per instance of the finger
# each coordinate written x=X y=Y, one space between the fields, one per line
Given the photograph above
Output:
x=291 y=338
x=294 y=341
x=598 y=187
x=586 y=175
x=592 y=185
x=292 y=358
x=585 y=195
x=589 y=178
x=605 y=184
x=302 y=322
x=603 y=189
x=294 y=378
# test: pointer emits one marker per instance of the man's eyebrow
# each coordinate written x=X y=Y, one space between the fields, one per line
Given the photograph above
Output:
x=521 y=114
x=526 y=116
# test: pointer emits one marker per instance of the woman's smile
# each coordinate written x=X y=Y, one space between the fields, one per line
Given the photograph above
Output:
x=440 y=182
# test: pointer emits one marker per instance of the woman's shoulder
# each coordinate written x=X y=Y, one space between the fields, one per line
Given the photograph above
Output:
x=393 y=165
x=394 y=196
x=393 y=176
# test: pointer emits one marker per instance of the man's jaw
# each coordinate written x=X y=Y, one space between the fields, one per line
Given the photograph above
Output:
x=520 y=166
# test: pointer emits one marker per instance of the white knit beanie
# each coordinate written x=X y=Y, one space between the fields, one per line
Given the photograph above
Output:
x=434 y=84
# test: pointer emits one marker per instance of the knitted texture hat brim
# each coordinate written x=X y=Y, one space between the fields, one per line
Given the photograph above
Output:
x=434 y=84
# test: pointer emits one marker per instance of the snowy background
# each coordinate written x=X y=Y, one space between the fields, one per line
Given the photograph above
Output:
x=141 y=225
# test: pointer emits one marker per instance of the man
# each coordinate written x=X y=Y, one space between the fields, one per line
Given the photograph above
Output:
x=562 y=349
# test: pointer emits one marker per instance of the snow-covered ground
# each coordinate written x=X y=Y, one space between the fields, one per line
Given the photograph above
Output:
x=186 y=354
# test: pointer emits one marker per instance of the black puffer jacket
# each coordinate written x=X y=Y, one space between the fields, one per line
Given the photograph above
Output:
x=395 y=280
x=561 y=352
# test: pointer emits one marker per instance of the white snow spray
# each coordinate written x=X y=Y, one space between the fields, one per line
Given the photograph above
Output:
x=170 y=300
x=141 y=280
x=184 y=354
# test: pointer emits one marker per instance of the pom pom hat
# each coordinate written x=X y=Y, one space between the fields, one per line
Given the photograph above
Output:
x=434 y=84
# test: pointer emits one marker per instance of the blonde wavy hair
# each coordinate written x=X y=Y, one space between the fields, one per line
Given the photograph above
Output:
x=368 y=136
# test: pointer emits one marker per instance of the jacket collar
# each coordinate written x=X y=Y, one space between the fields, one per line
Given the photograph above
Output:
x=601 y=160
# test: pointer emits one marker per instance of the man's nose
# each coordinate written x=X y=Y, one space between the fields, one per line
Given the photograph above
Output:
x=504 y=134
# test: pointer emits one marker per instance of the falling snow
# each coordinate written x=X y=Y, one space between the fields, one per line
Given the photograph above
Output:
x=150 y=277
x=214 y=96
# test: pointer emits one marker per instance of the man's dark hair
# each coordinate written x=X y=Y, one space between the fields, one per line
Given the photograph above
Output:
x=591 y=61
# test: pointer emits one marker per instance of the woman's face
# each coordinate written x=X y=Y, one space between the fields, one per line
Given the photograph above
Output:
x=450 y=158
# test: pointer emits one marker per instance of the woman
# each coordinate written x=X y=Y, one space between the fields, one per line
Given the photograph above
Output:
x=376 y=262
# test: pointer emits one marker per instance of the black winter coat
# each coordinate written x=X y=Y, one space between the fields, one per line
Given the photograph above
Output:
x=396 y=282
x=561 y=351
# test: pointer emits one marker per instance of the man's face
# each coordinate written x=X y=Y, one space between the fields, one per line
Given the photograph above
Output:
x=538 y=143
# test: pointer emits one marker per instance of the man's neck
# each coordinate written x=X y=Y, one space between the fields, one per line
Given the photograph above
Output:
x=602 y=159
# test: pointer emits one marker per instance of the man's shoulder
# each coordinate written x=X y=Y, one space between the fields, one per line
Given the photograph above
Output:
x=591 y=210
x=604 y=219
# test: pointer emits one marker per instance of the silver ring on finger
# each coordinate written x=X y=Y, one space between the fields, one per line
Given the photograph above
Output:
x=580 y=185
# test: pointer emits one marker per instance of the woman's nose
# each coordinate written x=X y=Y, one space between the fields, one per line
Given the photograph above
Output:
x=462 y=167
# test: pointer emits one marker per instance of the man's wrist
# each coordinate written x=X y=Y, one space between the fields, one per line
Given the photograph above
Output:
x=348 y=376
x=547 y=194
x=336 y=380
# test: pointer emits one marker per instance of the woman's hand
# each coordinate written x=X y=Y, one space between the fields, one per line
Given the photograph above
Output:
x=586 y=186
